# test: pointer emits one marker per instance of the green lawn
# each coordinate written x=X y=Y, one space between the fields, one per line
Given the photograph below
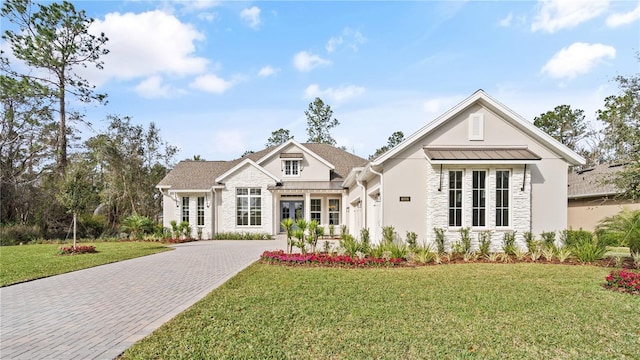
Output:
x=618 y=251
x=29 y=262
x=449 y=311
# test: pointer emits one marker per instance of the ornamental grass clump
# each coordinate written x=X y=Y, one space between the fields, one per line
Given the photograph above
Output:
x=624 y=280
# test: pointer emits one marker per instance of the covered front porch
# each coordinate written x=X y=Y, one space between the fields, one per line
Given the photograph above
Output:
x=325 y=202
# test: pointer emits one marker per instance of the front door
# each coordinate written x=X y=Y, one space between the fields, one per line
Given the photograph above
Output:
x=291 y=210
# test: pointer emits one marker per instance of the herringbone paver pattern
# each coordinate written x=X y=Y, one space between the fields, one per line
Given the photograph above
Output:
x=98 y=313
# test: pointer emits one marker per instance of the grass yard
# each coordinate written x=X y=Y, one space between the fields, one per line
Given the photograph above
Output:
x=618 y=251
x=29 y=262
x=501 y=311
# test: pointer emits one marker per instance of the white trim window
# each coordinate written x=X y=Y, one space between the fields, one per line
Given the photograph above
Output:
x=479 y=198
x=455 y=198
x=248 y=207
x=334 y=211
x=185 y=208
x=316 y=210
x=200 y=210
x=502 y=198
x=292 y=167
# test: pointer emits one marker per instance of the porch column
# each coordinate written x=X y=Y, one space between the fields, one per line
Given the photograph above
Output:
x=307 y=206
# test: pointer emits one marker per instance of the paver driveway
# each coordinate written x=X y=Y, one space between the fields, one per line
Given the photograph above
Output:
x=99 y=312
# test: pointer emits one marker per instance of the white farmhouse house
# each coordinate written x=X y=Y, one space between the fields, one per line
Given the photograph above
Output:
x=479 y=165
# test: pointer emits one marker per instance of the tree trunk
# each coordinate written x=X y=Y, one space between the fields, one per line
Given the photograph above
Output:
x=74 y=230
x=62 y=132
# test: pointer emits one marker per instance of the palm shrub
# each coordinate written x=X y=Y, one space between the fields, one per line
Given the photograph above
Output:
x=314 y=233
x=509 y=243
x=625 y=226
x=440 y=239
x=287 y=225
x=299 y=234
x=175 y=229
x=136 y=226
x=185 y=229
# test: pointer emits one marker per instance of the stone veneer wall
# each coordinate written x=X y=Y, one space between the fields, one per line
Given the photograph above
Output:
x=247 y=177
x=438 y=205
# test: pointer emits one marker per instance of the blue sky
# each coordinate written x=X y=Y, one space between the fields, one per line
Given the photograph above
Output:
x=218 y=77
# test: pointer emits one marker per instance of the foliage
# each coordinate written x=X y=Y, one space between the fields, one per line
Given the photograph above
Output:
x=625 y=228
x=287 y=225
x=571 y=237
x=241 y=236
x=548 y=238
x=589 y=250
x=412 y=240
x=563 y=254
x=278 y=137
x=15 y=234
x=465 y=240
x=440 y=239
x=35 y=261
x=484 y=242
x=55 y=39
x=273 y=301
x=509 y=242
x=621 y=116
x=315 y=231
x=388 y=234
x=365 y=237
x=332 y=231
x=624 y=279
x=320 y=121
x=530 y=241
x=349 y=244
x=279 y=257
x=73 y=250
x=564 y=124
x=393 y=140
x=137 y=225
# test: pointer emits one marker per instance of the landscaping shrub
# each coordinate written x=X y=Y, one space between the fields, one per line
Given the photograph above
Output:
x=280 y=257
x=484 y=242
x=571 y=237
x=241 y=236
x=137 y=225
x=440 y=239
x=80 y=249
x=465 y=241
x=15 y=234
x=530 y=241
x=626 y=280
x=548 y=238
x=92 y=226
x=589 y=250
x=625 y=228
x=509 y=243
x=388 y=233
x=412 y=239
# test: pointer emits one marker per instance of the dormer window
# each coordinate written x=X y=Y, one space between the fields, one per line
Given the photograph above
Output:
x=291 y=167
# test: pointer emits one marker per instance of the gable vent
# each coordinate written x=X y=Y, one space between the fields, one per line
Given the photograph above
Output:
x=476 y=126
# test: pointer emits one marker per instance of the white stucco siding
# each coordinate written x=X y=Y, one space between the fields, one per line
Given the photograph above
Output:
x=172 y=211
x=549 y=206
x=246 y=177
x=311 y=169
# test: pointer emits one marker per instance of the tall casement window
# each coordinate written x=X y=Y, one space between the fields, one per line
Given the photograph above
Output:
x=292 y=167
x=185 y=208
x=502 y=198
x=200 y=211
x=479 y=195
x=334 y=211
x=248 y=207
x=316 y=210
x=455 y=198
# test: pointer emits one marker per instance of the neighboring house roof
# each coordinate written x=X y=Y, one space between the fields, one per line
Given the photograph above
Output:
x=509 y=115
x=202 y=175
x=593 y=182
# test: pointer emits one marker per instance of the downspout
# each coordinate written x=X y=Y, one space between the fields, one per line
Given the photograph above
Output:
x=214 y=212
x=381 y=196
x=363 y=206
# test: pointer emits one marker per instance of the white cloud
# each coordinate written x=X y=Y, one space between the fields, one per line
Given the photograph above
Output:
x=208 y=16
x=251 y=16
x=198 y=4
x=267 y=71
x=211 y=83
x=578 y=58
x=615 y=20
x=304 y=61
x=506 y=22
x=333 y=43
x=152 y=87
x=349 y=37
x=554 y=15
x=146 y=44
x=340 y=94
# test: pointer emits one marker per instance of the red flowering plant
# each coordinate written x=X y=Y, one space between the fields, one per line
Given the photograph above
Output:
x=624 y=280
x=280 y=257
x=80 y=249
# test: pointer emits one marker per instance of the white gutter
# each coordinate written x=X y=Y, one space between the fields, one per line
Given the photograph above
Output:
x=363 y=199
x=381 y=195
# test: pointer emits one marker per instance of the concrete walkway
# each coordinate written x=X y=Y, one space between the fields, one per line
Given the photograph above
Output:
x=99 y=312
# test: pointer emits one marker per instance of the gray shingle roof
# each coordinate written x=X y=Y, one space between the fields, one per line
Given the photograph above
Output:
x=196 y=175
x=593 y=182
